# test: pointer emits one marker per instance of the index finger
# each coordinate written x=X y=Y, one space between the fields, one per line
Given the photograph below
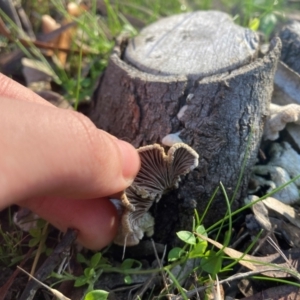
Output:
x=11 y=89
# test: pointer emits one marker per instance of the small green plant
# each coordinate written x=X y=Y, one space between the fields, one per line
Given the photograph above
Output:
x=94 y=36
x=95 y=267
x=10 y=247
x=98 y=264
x=37 y=233
x=96 y=295
x=207 y=262
x=260 y=15
x=13 y=241
x=196 y=248
x=39 y=236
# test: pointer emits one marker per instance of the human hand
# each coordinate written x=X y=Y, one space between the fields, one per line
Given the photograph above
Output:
x=59 y=165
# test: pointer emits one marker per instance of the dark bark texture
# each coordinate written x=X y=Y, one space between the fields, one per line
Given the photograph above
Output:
x=225 y=107
x=290 y=37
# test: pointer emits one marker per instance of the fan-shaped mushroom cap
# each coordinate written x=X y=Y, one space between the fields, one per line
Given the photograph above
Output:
x=159 y=173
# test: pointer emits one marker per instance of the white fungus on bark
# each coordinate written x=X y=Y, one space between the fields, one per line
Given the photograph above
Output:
x=171 y=139
x=182 y=111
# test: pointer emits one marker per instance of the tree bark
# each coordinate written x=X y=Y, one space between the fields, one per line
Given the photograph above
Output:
x=198 y=74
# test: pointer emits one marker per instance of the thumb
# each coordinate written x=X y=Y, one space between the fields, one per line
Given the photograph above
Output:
x=46 y=151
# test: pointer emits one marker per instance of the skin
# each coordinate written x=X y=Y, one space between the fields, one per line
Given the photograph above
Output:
x=59 y=165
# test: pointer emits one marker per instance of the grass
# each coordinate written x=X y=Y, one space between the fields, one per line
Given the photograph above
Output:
x=98 y=33
x=11 y=248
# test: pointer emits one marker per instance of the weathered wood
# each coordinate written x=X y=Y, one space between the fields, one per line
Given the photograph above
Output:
x=290 y=37
x=286 y=85
x=219 y=110
x=194 y=44
x=287 y=76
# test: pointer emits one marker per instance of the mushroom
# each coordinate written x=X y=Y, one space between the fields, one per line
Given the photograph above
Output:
x=279 y=117
x=159 y=173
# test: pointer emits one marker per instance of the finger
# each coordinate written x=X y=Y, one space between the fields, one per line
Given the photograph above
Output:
x=96 y=219
x=11 y=89
x=46 y=151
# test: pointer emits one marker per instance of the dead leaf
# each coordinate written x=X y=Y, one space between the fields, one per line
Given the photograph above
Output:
x=273 y=265
x=284 y=210
x=66 y=37
x=289 y=232
x=28 y=43
x=6 y=286
x=262 y=215
x=55 y=292
x=36 y=71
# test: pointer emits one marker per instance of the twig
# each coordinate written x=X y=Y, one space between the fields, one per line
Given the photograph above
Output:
x=40 y=247
x=55 y=292
x=49 y=264
x=275 y=246
x=145 y=286
x=4 y=288
x=241 y=238
x=217 y=293
x=231 y=278
x=161 y=266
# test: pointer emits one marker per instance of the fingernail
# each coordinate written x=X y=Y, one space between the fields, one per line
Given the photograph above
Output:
x=130 y=160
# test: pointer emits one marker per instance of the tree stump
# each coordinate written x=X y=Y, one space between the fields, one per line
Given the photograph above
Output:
x=198 y=74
